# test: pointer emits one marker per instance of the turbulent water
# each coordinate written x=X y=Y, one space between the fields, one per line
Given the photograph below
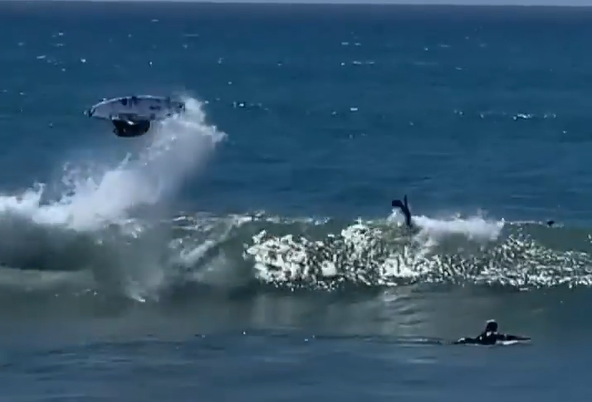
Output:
x=247 y=248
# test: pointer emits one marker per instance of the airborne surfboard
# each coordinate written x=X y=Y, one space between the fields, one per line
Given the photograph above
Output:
x=132 y=115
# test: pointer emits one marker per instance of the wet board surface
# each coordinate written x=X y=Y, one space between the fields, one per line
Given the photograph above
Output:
x=135 y=108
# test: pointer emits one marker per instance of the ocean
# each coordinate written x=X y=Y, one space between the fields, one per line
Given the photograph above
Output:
x=247 y=249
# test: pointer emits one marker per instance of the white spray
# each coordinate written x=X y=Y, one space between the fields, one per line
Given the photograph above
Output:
x=179 y=146
x=176 y=148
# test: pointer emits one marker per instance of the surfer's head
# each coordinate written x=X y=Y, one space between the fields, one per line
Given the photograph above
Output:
x=491 y=326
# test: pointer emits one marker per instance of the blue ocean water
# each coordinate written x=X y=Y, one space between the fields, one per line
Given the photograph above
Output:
x=247 y=250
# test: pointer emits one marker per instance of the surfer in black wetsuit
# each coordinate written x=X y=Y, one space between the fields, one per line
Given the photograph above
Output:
x=125 y=129
x=404 y=207
x=490 y=336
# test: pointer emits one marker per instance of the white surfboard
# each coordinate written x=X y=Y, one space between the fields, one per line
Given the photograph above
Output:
x=136 y=108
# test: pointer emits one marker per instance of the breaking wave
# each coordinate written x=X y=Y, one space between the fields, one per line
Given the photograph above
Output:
x=98 y=220
x=97 y=239
x=382 y=253
x=197 y=254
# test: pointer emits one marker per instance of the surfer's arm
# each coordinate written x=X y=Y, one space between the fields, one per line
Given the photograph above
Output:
x=507 y=337
x=463 y=341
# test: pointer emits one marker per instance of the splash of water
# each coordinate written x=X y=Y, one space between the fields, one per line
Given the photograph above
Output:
x=366 y=253
x=68 y=234
x=177 y=147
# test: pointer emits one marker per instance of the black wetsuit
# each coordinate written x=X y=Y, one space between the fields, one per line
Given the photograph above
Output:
x=123 y=129
x=491 y=338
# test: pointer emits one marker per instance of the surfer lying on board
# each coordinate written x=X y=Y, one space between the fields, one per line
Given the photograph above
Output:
x=490 y=336
x=404 y=207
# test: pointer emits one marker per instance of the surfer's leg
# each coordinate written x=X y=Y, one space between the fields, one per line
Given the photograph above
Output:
x=404 y=207
x=143 y=127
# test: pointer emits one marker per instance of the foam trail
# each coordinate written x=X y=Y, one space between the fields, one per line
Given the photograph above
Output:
x=475 y=228
x=433 y=231
x=178 y=146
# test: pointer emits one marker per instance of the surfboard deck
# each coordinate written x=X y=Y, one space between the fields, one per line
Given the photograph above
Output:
x=136 y=108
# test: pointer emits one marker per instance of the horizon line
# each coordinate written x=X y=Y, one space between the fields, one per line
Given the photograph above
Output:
x=313 y=3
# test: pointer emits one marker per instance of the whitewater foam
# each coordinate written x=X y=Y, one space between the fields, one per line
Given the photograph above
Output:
x=203 y=253
x=91 y=225
x=175 y=149
x=370 y=253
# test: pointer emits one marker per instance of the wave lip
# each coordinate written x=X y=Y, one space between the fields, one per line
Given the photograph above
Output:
x=92 y=239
